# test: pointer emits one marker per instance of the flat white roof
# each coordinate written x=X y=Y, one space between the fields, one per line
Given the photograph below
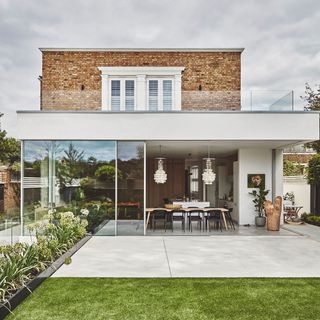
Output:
x=146 y=49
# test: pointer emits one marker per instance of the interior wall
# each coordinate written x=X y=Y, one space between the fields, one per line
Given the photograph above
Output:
x=252 y=161
x=174 y=186
x=235 y=212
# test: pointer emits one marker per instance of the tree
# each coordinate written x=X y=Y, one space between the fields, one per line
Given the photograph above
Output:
x=314 y=170
x=312 y=98
x=292 y=169
x=9 y=149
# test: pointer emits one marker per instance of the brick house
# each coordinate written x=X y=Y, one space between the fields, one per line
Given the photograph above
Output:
x=130 y=129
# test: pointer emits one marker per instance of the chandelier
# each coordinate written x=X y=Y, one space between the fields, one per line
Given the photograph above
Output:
x=160 y=175
x=208 y=176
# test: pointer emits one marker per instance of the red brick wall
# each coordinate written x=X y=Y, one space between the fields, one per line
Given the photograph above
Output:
x=64 y=72
x=11 y=197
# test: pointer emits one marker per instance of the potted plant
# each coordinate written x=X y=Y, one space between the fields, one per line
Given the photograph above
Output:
x=259 y=199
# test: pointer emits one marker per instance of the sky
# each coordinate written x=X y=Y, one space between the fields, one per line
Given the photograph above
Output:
x=280 y=37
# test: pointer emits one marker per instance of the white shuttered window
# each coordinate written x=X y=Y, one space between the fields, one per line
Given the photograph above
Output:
x=160 y=94
x=122 y=94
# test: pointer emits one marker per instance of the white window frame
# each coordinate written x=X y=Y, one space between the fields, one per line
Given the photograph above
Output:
x=122 y=91
x=141 y=76
x=160 y=91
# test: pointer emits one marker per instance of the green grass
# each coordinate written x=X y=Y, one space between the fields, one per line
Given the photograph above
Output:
x=104 y=298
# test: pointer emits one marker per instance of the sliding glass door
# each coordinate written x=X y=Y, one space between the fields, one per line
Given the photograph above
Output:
x=130 y=188
x=102 y=181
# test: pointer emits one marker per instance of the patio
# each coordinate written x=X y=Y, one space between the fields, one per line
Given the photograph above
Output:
x=247 y=252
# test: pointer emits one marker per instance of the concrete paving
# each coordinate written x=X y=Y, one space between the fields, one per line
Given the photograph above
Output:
x=305 y=229
x=188 y=256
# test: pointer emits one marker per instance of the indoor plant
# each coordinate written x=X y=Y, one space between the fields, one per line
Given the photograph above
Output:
x=259 y=199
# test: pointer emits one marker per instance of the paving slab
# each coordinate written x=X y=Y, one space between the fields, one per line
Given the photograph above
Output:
x=189 y=256
x=118 y=257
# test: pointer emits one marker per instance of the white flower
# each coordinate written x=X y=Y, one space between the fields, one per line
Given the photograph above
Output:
x=67 y=214
x=51 y=211
x=84 y=211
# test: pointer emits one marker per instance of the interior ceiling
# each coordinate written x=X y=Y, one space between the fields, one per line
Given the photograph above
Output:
x=199 y=149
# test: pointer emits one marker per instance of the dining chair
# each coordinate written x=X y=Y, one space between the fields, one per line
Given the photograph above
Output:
x=159 y=216
x=195 y=214
x=216 y=217
x=229 y=218
x=179 y=215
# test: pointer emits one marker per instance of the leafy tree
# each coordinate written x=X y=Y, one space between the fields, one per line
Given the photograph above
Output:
x=292 y=169
x=314 y=170
x=107 y=172
x=312 y=98
x=9 y=149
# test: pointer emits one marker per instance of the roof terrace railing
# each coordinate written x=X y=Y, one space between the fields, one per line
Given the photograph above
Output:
x=191 y=100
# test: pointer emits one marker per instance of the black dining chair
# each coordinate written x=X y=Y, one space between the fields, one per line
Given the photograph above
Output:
x=229 y=218
x=159 y=216
x=194 y=215
x=180 y=216
x=215 y=216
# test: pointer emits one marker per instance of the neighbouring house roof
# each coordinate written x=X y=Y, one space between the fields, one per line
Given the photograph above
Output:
x=146 y=49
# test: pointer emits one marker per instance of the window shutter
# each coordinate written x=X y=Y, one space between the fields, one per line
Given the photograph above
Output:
x=153 y=95
x=129 y=98
x=167 y=94
x=115 y=95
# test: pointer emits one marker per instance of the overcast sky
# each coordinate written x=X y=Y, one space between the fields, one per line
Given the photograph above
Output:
x=281 y=38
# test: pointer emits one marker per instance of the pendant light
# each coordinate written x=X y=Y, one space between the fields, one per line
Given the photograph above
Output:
x=208 y=176
x=160 y=175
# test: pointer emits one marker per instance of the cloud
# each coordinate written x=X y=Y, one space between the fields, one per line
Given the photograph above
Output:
x=280 y=37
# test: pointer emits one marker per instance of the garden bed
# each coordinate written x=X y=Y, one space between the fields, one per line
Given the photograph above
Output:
x=311 y=219
x=22 y=293
x=24 y=266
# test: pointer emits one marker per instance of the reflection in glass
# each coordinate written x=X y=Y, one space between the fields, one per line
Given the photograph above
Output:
x=130 y=187
x=71 y=176
x=36 y=197
x=84 y=176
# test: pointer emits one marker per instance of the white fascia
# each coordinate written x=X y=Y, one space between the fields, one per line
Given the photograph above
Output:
x=148 y=71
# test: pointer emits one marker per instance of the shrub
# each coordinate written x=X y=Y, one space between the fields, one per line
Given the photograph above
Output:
x=311 y=218
x=19 y=263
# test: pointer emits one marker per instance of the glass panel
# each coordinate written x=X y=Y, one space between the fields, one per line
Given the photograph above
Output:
x=37 y=163
x=115 y=95
x=130 y=188
x=153 y=95
x=129 y=99
x=167 y=94
x=84 y=178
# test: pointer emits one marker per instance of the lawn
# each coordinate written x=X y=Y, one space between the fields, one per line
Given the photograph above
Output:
x=121 y=299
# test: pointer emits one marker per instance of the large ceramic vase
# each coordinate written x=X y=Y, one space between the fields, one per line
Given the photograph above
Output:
x=260 y=221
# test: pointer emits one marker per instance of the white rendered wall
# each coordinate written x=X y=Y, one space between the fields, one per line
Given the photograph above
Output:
x=252 y=161
x=301 y=189
x=245 y=126
x=235 y=213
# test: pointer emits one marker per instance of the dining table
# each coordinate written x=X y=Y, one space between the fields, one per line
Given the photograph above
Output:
x=203 y=210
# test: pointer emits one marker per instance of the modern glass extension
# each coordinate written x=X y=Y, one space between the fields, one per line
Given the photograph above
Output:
x=104 y=177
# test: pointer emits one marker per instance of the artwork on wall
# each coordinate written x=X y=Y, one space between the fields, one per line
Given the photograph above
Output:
x=256 y=180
